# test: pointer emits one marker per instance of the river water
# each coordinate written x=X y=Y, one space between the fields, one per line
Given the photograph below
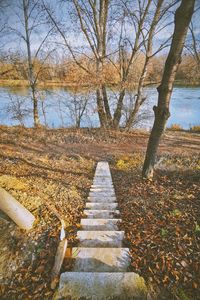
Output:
x=59 y=107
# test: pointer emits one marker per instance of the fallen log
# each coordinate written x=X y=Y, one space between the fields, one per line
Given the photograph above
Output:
x=16 y=211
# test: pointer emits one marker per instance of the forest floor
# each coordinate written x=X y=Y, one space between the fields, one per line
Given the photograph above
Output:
x=48 y=169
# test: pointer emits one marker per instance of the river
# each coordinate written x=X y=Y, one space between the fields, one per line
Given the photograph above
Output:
x=60 y=107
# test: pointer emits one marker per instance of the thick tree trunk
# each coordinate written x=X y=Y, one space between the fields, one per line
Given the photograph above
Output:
x=17 y=212
x=161 y=117
x=183 y=17
x=100 y=108
x=106 y=105
x=118 y=111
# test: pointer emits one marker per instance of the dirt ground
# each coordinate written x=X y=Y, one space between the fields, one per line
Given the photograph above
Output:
x=53 y=169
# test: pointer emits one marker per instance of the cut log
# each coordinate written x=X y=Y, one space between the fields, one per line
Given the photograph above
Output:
x=16 y=211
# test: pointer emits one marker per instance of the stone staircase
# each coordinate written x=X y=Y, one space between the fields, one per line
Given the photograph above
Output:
x=101 y=262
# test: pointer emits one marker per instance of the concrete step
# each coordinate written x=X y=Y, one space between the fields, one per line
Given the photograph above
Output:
x=100 y=238
x=103 y=177
x=101 y=286
x=102 y=190
x=101 y=194
x=101 y=214
x=102 y=186
x=105 y=173
x=102 y=181
x=102 y=199
x=102 y=205
x=100 y=224
x=101 y=259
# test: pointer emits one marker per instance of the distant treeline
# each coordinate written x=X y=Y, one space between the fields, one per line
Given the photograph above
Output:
x=14 y=68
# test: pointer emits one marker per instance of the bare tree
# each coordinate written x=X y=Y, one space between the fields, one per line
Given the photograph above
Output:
x=32 y=81
x=137 y=19
x=92 y=17
x=18 y=110
x=148 y=44
x=105 y=27
x=195 y=45
x=77 y=106
x=3 y=23
x=96 y=20
x=182 y=20
x=29 y=26
x=30 y=10
x=144 y=22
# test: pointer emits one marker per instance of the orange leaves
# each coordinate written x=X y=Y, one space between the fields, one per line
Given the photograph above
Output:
x=160 y=228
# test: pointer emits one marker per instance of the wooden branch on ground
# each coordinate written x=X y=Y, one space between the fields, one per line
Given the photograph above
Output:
x=61 y=250
x=60 y=255
x=16 y=211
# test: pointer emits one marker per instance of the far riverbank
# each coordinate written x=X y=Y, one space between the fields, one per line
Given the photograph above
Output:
x=68 y=84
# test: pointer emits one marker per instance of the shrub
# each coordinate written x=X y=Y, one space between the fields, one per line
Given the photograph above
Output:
x=133 y=161
x=195 y=128
x=175 y=127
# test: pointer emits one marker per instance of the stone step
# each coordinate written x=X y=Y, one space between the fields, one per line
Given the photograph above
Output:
x=101 y=172
x=101 y=259
x=102 y=181
x=101 y=194
x=102 y=205
x=101 y=214
x=101 y=286
x=100 y=238
x=101 y=199
x=100 y=224
x=102 y=190
x=103 y=177
x=103 y=186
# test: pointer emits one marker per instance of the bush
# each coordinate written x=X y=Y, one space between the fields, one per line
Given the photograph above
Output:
x=175 y=127
x=133 y=161
x=195 y=129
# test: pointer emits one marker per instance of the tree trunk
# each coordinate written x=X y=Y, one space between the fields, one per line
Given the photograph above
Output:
x=139 y=99
x=17 y=212
x=32 y=81
x=100 y=107
x=44 y=114
x=106 y=105
x=183 y=17
x=118 y=111
x=35 y=108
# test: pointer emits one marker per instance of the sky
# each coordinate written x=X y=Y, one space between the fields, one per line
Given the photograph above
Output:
x=12 y=13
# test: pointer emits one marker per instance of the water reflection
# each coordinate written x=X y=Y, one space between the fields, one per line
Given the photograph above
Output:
x=63 y=107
